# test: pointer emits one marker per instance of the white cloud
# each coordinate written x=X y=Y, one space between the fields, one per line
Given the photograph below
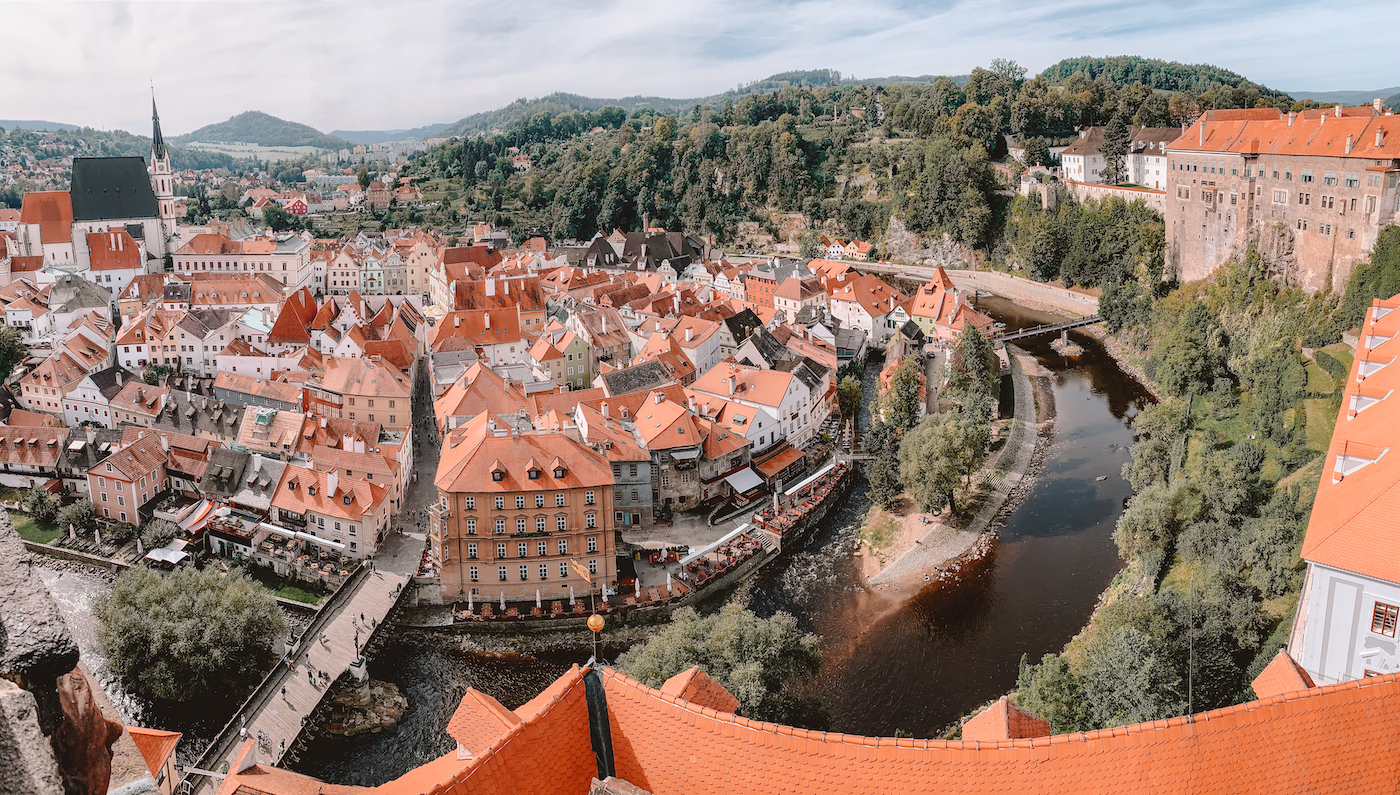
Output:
x=366 y=65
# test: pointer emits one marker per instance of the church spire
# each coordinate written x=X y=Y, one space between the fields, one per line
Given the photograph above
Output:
x=157 y=141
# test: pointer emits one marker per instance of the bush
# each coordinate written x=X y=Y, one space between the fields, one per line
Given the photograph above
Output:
x=79 y=515
x=190 y=635
x=41 y=506
x=158 y=533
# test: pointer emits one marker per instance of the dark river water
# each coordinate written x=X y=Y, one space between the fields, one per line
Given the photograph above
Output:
x=916 y=666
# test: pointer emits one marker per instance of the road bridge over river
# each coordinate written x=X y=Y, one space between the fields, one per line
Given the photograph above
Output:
x=345 y=632
x=1022 y=291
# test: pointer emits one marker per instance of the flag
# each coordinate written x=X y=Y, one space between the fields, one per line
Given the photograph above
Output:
x=581 y=569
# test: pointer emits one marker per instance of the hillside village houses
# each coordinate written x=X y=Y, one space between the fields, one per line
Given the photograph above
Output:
x=1145 y=163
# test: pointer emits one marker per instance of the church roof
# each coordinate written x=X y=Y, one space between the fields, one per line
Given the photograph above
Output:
x=110 y=188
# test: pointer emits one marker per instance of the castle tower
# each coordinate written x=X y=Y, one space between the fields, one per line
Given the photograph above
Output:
x=162 y=181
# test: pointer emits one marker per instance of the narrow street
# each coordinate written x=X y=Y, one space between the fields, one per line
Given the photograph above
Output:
x=401 y=554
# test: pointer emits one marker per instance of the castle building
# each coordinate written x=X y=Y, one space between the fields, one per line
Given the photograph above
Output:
x=1312 y=188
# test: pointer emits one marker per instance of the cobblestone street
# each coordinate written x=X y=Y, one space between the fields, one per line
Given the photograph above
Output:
x=401 y=554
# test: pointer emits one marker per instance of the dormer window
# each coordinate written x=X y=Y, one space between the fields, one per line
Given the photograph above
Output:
x=347 y=498
x=534 y=474
x=498 y=475
x=559 y=472
x=310 y=490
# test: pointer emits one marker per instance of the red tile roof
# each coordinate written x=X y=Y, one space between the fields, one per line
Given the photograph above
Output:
x=293 y=324
x=1004 y=721
x=52 y=210
x=1281 y=676
x=1321 y=132
x=696 y=686
x=113 y=251
x=155 y=746
x=471 y=451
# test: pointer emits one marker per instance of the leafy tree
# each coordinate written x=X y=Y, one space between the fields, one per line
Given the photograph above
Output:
x=1190 y=358
x=1161 y=430
x=900 y=404
x=189 y=635
x=1147 y=529
x=155 y=374
x=41 y=506
x=882 y=471
x=1127 y=678
x=848 y=394
x=157 y=533
x=279 y=220
x=1052 y=691
x=938 y=456
x=1038 y=151
x=1115 y=150
x=362 y=177
x=12 y=350
x=79 y=515
x=810 y=245
x=974 y=374
x=754 y=658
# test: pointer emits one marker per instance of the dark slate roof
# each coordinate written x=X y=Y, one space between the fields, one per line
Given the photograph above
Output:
x=177 y=291
x=637 y=378
x=742 y=324
x=90 y=452
x=74 y=293
x=108 y=383
x=769 y=347
x=911 y=330
x=189 y=413
x=112 y=187
x=224 y=474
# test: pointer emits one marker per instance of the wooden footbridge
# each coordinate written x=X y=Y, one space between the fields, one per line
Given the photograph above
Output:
x=1048 y=328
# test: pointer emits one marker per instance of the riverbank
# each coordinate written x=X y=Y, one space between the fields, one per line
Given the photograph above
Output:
x=923 y=546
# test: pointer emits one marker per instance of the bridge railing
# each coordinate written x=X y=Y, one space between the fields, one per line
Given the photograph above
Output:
x=220 y=746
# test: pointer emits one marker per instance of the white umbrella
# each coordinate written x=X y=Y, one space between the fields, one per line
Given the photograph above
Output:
x=571 y=595
x=503 y=599
x=72 y=534
x=668 y=582
x=537 y=597
x=470 y=609
x=139 y=548
x=97 y=534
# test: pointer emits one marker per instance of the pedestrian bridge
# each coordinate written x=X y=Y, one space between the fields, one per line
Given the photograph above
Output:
x=346 y=630
x=1048 y=328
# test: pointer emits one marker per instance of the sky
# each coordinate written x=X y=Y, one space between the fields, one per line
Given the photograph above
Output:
x=406 y=63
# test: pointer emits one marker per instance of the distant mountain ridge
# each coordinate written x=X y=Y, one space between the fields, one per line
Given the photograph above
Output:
x=1387 y=95
x=381 y=136
x=256 y=127
x=36 y=125
x=562 y=102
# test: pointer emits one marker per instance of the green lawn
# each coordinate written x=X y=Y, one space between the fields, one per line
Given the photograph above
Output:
x=1321 y=421
x=30 y=530
x=1341 y=353
x=1318 y=379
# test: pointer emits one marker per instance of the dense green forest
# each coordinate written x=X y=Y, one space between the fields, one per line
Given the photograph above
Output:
x=850 y=156
x=1224 y=470
x=88 y=142
x=256 y=127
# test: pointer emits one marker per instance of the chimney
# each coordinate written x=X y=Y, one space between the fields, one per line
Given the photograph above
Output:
x=165 y=443
x=730 y=383
x=1376 y=106
x=359 y=445
x=1380 y=137
x=456 y=321
x=1203 y=133
x=689 y=334
x=1292 y=116
x=490 y=287
x=119 y=372
x=267 y=316
x=1350 y=139
x=91 y=436
x=140 y=394
x=1183 y=128
x=605 y=408
x=323 y=422
x=346 y=442
x=505 y=286
x=656 y=398
x=488 y=320
x=1337 y=111
x=331 y=482
x=692 y=403
x=257 y=462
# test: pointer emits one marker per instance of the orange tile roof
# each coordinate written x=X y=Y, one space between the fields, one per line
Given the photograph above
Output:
x=1282 y=675
x=136 y=460
x=155 y=746
x=470 y=451
x=479 y=721
x=696 y=686
x=873 y=295
x=52 y=210
x=1004 y=721
x=114 y=250
x=1320 y=132
x=476 y=327
x=294 y=494
x=665 y=744
x=259 y=779
x=293 y=324
x=361 y=377
x=764 y=387
x=1353 y=526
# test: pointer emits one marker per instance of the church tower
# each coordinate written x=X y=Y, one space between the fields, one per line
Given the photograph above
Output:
x=162 y=181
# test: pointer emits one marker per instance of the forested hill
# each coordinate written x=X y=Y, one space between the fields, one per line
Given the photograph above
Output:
x=256 y=127
x=87 y=142
x=1125 y=70
x=522 y=110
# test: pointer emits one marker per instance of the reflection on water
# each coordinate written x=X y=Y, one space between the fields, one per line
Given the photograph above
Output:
x=915 y=666
x=921 y=665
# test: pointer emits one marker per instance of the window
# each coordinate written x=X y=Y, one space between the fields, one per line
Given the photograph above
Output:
x=544 y=571
x=592 y=566
x=500 y=526
x=471 y=551
x=1288 y=175
x=1329 y=178
x=1351 y=234
x=501 y=573
x=539 y=524
x=1306 y=175
x=520 y=525
x=539 y=500
x=524 y=572
x=472 y=572
x=588 y=498
x=632 y=470
x=471 y=527
x=665 y=480
x=500 y=503
x=497 y=475
x=592 y=543
x=563 y=568
x=522 y=550
x=1352 y=180
x=500 y=550
x=617 y=470
x=520 y=501
x=590 y=521
x=1384 y=618
x=559 y=500
x=563 y=546
x=634 y=496
x=121 y=500
x=1280 y=197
